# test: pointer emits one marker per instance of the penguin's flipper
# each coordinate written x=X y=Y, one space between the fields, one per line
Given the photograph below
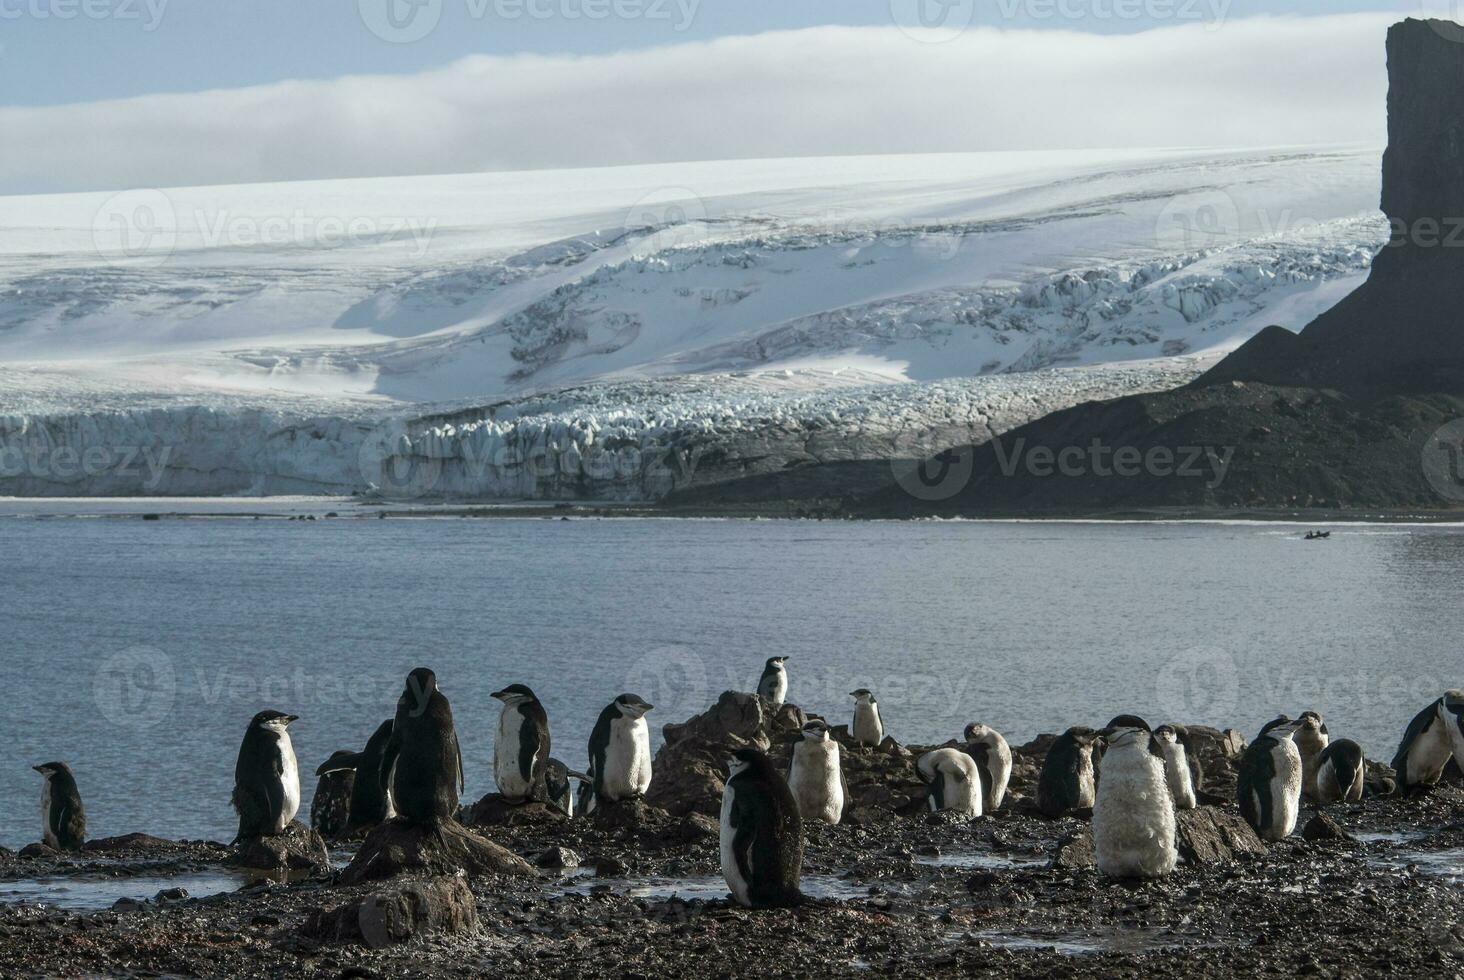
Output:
x=457 y=755
x=388 y=761
x=744 y=834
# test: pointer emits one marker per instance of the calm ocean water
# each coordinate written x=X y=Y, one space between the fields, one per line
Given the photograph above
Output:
x=137 y=651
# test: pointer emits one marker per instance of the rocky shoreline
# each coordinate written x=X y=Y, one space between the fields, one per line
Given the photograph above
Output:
x=636 y=890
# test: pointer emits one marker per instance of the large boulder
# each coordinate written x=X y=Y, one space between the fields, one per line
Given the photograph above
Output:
x=397 y=847
x=495 y=811
x=1207 y=835
x=688 y=770
x=404 y=911
x=297 y=849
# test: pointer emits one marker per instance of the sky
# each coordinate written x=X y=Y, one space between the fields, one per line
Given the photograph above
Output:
x=107 y=94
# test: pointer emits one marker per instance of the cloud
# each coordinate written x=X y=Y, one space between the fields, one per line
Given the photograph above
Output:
x=822 y=91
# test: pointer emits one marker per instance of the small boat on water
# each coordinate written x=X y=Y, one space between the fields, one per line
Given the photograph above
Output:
x=1318 y=535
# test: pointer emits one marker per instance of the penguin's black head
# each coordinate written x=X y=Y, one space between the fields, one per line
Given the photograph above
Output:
x=1281 y=727
x=816 y=731
x=421 y=685
x=633 y=705
x=1129 y=721
x=514 y=694
x=1080 y=735
x=745 y=759
x=975 y=731
x=1454 y=705
x=774 y=663
x=1120 y=735
x=1167 y=733
x=1311 y=721
x=862 y=694
x=271 y=720
x=49 y=769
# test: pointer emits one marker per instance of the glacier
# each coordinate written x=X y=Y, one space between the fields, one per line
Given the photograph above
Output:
x=621 y=333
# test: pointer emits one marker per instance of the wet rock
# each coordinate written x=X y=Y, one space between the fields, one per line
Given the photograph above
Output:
x=688 y=769
x=129 y=842
x=298 y=849
x=405 y=911
x=169 y=896
x=635 y=814
x=398 y=847
x=39 y=851
x=699 y=826
x=557 y=858
x=609 y=867
x=1323 y=828
x=494 y=811
x=128 y=905
x=1208 y=835
x=1074 y=852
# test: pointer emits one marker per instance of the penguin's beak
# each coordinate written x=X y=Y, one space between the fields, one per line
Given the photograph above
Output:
x=289 y=719
x=40 y=769
x=498 y=695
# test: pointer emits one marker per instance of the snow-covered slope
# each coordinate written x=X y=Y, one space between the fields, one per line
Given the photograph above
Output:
x=278 y=335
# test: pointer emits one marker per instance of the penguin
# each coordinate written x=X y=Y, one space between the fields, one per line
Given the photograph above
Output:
x=370 y=794
x=422 y=764
x=266 y=777
x=63 y=819
x=773 y=684
x=620 y=752
x=994 y=759
x=1268 y=786
x=521 y=750
x=1133 y=816
x=1432 y=738
x=761 y=834
x=868 y=727
x=1311 y=738
x=330 y=807
x=1181 y=768
x=1066 y=781
x=559 y=786
x=954 y=782
x=1341 y=771
x=816 y=775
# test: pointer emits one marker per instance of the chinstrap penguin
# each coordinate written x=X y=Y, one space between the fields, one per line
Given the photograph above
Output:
x=1066 y=781
x=761 y=834
x=773 y=684
x=266 y=777
x=1341 y=773
x=994 y=760
x=1268 y=786
x=370 y=794
x=422 y=763
x=1311 y=738
x=1433 y=737
x=1181 y=768
x=559 y=782
x=816 y=776
x=521 y=748
x=330 y=807
x=1133 y=817
x=953 y=782
x=63 y=819
x=620 y=752
x=868 y=727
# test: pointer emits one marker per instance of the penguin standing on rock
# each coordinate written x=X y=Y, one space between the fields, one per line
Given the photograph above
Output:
x=422 y=763
x=330 y=807
x=370 y=794
x=1268 y=785
x=954 y=782
x=63 y=821
x=1311 y=738
x=1181 y=767
x=620 y=751
x=266 y=777
x=868 y=727
x=1133 y=817
x=761 y=834
x=816 y=777
x=521 y=750
x=773 y=684
x=1066 y=781
x=1341 y=772
x=994 y=760
x=1434 y=736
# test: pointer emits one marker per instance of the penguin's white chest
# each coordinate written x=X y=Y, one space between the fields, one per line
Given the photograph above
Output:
x=506 y=771
x=867 y=727
x=736 y=883
x=1133 y=816
x=774 y=687
x=1285 y=788
x=815 y=781
x=628 y=759
x=1177 y=771
x=1430 y=752
x=289 y=784
x=47 y=834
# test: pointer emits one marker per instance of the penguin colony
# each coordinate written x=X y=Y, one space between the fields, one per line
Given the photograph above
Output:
x=1133 y=778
